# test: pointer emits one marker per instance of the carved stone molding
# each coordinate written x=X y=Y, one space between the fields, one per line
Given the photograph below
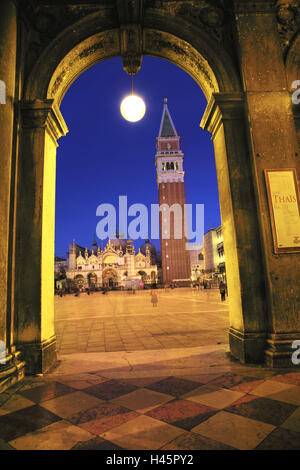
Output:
x=45 y=21
x=181 y=53
x=209 y=15
x=130 y=13
x=222 y=106
x=131 y=46
x=254 y=6
x=279 y=352
x=90 y=51
x=288 y=17
x=44 y=114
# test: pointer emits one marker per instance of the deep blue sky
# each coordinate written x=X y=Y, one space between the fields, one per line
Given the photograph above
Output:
x=104 y=156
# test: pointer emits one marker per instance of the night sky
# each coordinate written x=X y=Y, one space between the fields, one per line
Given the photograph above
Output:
x=104 y=156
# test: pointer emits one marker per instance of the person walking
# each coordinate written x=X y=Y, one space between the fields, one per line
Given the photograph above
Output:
x=222 y=289
x=77 y=291
x=154 y=299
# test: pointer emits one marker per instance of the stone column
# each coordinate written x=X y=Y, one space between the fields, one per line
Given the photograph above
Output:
x=42 y=126
x=274 y=146
x=296 y=113
x=11 y=369
x=225 y=119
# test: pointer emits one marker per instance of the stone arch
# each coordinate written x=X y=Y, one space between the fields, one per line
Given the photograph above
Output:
x=177 y=41
x=110 y=277
x=92 y=280
x=79 y=280
x=143 y=275
x=192 y=49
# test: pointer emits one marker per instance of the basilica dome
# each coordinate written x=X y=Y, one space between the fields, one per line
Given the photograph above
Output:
x=151 y=248
x=94 y=248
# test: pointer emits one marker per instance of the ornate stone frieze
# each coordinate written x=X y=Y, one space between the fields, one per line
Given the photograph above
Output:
x=182 y=53
x=44 y=114
x=131 y=47
x=45 y=21
x=209 y=15
x=89 y=51
x=288 y=17
x=253 y=6
x=221 y=107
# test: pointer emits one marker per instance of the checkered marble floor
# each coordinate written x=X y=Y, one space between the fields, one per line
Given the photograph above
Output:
x=244 y=410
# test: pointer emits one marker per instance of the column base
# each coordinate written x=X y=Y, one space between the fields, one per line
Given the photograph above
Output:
x=12 y=370
x=248 y=348
x=39 y=357
x=279 y=350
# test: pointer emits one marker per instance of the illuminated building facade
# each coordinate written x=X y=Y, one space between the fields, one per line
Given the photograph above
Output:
x=118 y=265
x=214 y=256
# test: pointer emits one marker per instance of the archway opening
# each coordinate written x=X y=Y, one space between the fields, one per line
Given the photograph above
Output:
x=224 y=117
x=103 y=158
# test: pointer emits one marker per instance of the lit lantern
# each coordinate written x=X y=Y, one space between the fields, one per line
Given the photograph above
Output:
x=133 y=107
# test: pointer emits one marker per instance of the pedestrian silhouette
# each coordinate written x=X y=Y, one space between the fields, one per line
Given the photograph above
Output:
x=222 y=289
x=154 y=299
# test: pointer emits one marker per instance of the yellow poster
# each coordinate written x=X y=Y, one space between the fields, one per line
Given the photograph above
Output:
x=285 y=215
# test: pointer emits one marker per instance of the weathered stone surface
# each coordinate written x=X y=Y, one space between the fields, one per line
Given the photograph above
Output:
x=245 y=57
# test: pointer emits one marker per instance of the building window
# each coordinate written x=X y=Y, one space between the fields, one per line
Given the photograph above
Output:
x=176 y=166
x=163 y=166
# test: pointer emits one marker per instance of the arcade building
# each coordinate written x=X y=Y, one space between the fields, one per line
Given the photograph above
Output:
x=245 y=56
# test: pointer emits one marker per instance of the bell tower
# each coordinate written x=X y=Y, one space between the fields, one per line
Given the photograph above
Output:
x=175 y=258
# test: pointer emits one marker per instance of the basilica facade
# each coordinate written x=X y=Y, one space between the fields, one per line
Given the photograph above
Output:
x=116 y=266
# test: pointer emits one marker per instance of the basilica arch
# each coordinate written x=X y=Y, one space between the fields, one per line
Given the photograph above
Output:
x=242 y=118
x=110 y=278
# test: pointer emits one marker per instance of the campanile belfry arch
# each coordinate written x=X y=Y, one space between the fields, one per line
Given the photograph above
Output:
x=242 y=55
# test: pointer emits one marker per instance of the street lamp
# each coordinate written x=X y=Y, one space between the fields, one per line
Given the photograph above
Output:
x=133 y=107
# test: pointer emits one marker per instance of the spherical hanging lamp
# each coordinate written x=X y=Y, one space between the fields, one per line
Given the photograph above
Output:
x=133 y=107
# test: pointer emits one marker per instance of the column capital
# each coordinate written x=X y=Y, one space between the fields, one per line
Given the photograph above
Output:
x=44 y=114
x=221 y=107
